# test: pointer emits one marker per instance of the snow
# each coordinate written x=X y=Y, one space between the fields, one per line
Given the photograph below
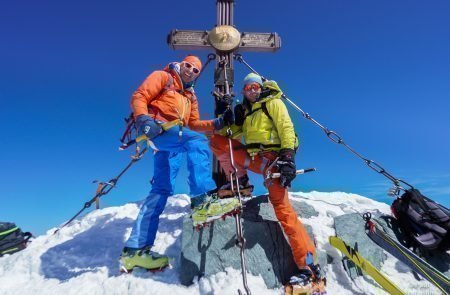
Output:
x=82 y=258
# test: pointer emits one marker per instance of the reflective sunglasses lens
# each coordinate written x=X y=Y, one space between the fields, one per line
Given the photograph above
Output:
x=251 y=87
x=194 y=69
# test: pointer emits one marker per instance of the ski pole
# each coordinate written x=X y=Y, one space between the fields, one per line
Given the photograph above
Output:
x=301 y=171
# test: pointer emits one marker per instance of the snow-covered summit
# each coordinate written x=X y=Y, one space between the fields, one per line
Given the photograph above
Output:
x=82 y=258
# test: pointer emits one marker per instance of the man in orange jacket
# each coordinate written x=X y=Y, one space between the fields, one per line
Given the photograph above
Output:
x=166 y=111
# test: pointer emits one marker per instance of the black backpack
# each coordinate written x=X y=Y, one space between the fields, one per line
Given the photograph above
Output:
x=12 y=239
x=425 y=223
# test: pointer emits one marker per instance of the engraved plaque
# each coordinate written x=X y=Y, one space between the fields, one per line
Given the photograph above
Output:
x=188 y=40
x=262 y=42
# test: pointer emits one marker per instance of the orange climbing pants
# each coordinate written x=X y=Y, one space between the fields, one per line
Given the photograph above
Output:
x=298 y=238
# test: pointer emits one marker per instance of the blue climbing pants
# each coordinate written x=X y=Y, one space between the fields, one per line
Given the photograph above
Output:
x=167 y=162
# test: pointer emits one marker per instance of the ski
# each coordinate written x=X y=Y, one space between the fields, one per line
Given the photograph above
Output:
x=365 y=265
x=417 y=264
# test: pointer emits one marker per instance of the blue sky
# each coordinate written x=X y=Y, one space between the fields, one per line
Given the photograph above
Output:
x=377 y=72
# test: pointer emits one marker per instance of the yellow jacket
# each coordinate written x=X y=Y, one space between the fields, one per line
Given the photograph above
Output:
x=260 y=132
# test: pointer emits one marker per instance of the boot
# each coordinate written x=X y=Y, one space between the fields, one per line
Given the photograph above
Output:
x=214 y=208
x=245 y=188
x=309 y=281
x=202 y=198
x=144 y=258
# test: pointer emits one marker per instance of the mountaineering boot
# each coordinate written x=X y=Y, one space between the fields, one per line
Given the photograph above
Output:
x=306 y=282
x=144 y=258
x=309 y=281
x=214 y=208
x=202 y=198
x=245 y=188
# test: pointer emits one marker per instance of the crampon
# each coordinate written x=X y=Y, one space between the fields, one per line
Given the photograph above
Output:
x=214 y=208
x=312 y=288
x=225 y=193
x=124 y=270
x=210 y=220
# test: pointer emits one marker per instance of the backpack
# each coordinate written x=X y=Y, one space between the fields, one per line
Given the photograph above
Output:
x=263 y=108
x=130 y=123
x=12 y=239
x=425 y=223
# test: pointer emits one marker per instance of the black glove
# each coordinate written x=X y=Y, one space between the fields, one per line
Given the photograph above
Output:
x=286 y=164
x=239 y=114
x=228 y=117
x=222 y=104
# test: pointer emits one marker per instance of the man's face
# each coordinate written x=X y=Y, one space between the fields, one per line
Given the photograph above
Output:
x=252 y=91
x=188 y=72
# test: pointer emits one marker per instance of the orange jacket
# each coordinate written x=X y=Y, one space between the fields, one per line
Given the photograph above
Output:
x=173 y=103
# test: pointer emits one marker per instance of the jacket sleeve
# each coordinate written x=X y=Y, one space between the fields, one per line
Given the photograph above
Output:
x=148 y=90
x=283 y=123
x=194 y=120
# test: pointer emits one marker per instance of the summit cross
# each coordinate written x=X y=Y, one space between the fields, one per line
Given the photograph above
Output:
x=226 y=41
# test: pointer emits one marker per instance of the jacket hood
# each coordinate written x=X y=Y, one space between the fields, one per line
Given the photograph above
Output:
x=265 y=99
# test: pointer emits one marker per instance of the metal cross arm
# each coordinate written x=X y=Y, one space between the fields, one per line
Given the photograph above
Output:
x=224 y=38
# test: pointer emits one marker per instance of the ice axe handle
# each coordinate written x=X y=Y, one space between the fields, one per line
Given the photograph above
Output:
x=301 y=171
x=133 y=141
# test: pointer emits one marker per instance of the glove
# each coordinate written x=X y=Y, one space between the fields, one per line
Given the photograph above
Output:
x=148 y=126
x=227 y=119
x=239 y=114
x=286 y=164
x=222 y=104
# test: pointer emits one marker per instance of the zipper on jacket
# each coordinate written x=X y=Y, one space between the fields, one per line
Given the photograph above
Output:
x=180 y=126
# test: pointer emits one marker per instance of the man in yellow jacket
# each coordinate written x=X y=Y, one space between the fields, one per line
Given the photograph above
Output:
x=262 y=120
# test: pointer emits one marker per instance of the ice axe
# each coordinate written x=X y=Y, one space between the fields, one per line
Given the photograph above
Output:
x=278 y=174
x=272 y=175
